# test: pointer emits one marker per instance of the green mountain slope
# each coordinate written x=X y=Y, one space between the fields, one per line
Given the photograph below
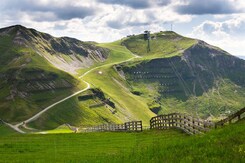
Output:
x=30 y=69
x=65 y=53
x=28 y=81
x=85 y=109
x=162 y=44
x=179 y=74
x=80 y=112
x=203 y=80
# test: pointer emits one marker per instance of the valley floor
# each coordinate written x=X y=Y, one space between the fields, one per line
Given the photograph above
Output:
x=219 y=145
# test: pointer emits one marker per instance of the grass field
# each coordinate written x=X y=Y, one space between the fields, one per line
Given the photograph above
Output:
x=220 y=145
x=166 y=44
x=6 y=131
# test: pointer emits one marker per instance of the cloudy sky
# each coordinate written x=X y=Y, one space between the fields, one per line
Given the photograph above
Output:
x=218 y=22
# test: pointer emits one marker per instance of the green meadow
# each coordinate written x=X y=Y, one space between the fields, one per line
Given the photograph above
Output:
x=219 y=145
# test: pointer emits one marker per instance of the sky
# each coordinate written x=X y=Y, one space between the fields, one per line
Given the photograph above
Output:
x=218 y=22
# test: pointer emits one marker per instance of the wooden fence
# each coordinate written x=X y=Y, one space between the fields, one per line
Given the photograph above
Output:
x=128 y=126
x=233 y=117
x=184 y=122
x=133 y=126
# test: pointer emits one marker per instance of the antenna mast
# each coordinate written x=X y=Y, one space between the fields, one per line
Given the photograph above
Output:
x=147 y=37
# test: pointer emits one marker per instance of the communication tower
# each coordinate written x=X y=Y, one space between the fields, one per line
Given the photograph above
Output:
x=147 y=37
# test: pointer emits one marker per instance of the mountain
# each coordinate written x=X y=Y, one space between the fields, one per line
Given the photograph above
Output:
x=32 y=69
x=126 y=82
x=195 y=78
x=66 y=53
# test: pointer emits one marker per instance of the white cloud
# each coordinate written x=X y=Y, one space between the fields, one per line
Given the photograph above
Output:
x=110 y=22
x=104 y=22
x=229 y=34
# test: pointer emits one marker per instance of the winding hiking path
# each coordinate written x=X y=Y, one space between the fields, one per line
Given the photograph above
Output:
x=47 y=108
x=16 y=127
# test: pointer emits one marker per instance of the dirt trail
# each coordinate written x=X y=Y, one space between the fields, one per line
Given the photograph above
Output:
x=16 y=127
x=49 y=107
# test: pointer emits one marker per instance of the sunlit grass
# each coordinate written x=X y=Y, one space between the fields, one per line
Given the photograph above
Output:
x=220 y=145
x=166 y=44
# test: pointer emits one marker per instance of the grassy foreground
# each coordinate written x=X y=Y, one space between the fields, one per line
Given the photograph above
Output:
x=220 y=145
x=6 y=131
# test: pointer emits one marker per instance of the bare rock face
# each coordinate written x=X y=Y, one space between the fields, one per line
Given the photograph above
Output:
x=19 y=40
x=71 y=54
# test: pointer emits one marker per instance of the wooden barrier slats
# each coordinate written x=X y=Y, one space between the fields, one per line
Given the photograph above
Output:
x=231 y=117
x=201 y=128
x=128 y=126
x=187 y=123
x=198 y=121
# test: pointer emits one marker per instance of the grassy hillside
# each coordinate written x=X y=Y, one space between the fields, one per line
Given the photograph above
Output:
x=204 y=81
x=220 y=145
x=194 y=83
x=27 y=57
x=78 y=111
x=131 y=106
x=218 y=102
x=28 y=81
x=67 y=54
x=117 y=54
x=162 y=44
x=6 y=131
x=179 y=74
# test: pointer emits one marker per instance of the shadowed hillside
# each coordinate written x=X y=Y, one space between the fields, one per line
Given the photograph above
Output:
x=189 y=82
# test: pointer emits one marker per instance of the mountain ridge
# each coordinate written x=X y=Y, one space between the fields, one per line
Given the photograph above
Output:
x=59 y=51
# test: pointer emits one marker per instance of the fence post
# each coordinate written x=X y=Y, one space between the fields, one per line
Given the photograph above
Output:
x=141 y=129
x=168 y=121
